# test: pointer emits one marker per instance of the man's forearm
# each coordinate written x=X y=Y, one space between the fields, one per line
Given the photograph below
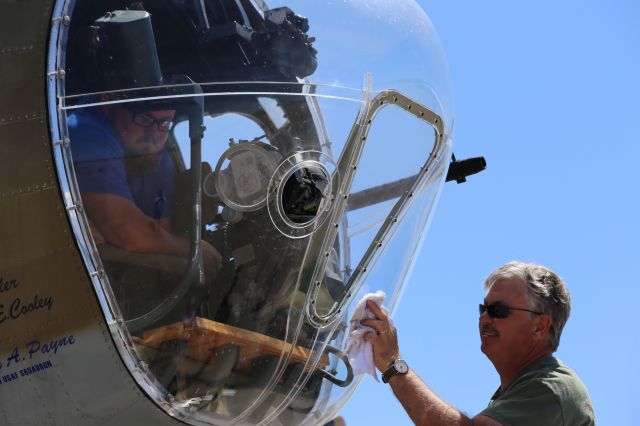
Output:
x=148 y=236
x=422 y=404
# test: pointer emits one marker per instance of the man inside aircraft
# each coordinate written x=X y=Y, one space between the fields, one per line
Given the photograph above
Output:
x=521 y=320
x=126 y=178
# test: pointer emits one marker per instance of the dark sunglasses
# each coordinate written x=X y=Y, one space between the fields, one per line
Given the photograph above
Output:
x=501 y=311
x=144 y=120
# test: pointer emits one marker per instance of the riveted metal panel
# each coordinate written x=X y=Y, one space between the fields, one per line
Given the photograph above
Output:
x=22 y=93
x=31 y=226
x=24 y=23
x=26 y=144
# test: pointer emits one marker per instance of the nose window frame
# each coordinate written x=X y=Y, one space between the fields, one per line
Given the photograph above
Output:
x=320 y=248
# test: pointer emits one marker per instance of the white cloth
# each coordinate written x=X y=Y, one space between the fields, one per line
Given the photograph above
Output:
x=358 y=350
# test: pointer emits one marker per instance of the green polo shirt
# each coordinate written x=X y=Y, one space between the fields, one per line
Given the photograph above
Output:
x=547 y=392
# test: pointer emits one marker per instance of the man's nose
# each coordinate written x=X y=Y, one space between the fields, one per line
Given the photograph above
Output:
x=484 y=318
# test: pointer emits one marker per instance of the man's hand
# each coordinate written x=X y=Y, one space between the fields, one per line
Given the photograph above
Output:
x=423 y=406
x=384 y=340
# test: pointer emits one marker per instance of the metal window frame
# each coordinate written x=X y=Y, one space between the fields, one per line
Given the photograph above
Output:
x=347 y=167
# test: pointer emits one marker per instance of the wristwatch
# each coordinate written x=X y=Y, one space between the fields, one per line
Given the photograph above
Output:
x=399 y=366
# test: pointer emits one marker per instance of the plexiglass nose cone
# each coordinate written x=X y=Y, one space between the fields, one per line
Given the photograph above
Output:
x=309 y=147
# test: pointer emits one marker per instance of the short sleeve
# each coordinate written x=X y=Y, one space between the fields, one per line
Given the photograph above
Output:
x=105 y=175
x=97 y=157
x=533 y=403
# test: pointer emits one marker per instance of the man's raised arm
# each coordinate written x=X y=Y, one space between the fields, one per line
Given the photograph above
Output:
x=419 y=401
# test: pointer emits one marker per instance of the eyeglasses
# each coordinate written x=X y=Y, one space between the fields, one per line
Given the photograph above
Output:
x=496 y=310
x=145 y=120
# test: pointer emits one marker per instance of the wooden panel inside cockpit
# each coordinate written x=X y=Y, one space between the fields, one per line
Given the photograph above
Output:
x=204 y=336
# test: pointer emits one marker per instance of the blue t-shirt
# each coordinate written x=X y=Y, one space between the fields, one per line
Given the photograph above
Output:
x=98 y=159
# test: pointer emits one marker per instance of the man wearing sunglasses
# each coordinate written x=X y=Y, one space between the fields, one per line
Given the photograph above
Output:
x=521 y=320
x=126 y=178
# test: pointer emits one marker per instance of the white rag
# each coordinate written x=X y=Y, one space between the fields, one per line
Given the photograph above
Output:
x=358 y=350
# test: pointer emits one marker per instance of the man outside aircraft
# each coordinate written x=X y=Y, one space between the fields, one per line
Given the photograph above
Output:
x=521 y=320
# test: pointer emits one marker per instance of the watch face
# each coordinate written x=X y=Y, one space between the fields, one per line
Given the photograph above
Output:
x=401 y=366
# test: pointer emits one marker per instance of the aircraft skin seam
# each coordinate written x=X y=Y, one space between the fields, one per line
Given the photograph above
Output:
x=20 y=49
x=20 y=119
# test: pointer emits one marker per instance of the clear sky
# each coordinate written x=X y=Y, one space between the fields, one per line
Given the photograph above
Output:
x=549 y=92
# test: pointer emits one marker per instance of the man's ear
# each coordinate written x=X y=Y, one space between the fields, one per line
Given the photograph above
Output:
x=542 y=324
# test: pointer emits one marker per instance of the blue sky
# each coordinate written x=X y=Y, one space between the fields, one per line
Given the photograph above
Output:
x=549 y=93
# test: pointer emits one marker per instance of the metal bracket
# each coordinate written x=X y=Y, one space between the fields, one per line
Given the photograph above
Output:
x=330 y=376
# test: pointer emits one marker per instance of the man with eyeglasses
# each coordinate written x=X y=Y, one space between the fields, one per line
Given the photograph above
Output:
x=126 y=177
x=521 y=320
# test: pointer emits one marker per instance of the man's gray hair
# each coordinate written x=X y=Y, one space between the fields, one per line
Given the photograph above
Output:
x=546 y=293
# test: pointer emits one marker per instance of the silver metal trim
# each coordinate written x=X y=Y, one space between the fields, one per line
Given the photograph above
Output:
x=348 y=166
x=247 y=83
